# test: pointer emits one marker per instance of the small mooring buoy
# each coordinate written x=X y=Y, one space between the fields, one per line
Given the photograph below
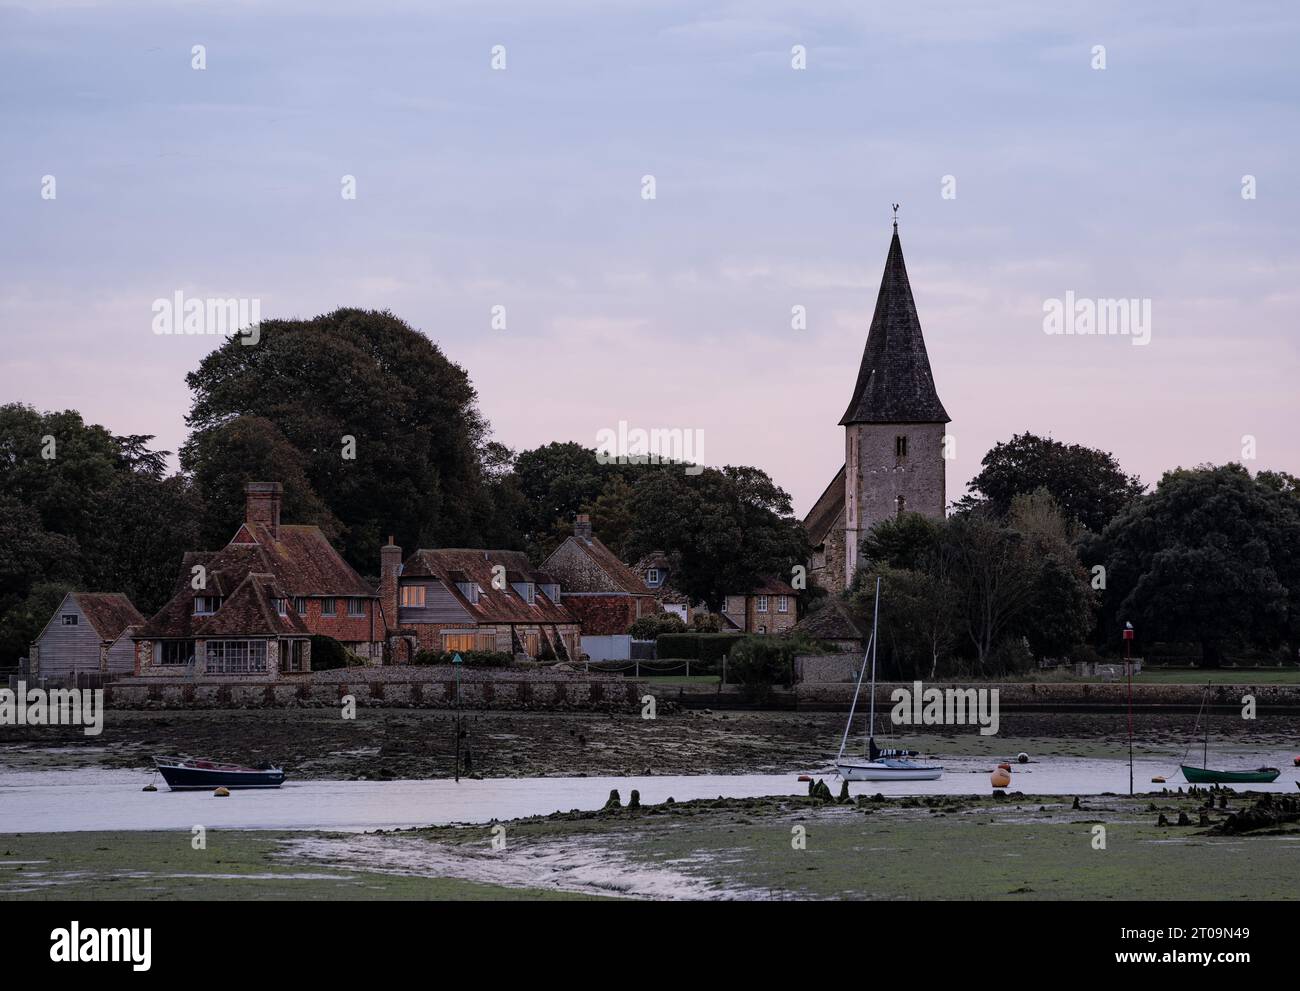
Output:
x=1005 y=766
x=221 y=793
x=1022 y=758
x=1159 y=779
x=150 y=787
x=805 y=777
x=1297 y=762
x=1001 y=777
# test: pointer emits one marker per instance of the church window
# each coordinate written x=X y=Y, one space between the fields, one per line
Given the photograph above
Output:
x=902 y=505
x=900 y=447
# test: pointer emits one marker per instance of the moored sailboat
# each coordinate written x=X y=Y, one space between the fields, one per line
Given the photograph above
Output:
x=878 y=765
x=1206 y=775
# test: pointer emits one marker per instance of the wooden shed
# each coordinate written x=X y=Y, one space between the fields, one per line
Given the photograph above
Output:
x=89 y=632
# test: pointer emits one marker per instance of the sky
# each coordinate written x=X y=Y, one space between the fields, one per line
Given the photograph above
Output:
x=523 y=188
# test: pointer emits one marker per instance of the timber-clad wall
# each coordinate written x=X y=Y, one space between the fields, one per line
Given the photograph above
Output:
x=440 y=605
x=65 y=649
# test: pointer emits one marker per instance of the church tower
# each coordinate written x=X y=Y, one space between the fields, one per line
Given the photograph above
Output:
x=894 y=431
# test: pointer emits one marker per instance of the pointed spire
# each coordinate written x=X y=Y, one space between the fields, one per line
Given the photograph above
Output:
x=894 y=383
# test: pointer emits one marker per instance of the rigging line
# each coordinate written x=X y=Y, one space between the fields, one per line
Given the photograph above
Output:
x=854 y=705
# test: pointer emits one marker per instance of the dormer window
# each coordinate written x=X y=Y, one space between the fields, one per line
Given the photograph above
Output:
x=206 y=605
x=900 y=447
x=469 y=589
x=413 y=596
x=282 y=607
x=652 y=577
x=300 y=605
x=526 y=592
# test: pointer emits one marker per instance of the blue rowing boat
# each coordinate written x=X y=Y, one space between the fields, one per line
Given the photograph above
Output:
x=187 y=774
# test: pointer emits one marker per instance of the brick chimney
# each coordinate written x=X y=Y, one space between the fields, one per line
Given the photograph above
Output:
x=582 y=527
x=262 y=505
x=390 y=567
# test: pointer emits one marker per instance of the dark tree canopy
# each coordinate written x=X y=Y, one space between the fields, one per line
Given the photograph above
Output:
x=355 y=382
x=82 y=508
x=1087 y=484
x=722 y=529
x=1211 y=555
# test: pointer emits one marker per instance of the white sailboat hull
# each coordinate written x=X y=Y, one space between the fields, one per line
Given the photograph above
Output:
x=886 y=770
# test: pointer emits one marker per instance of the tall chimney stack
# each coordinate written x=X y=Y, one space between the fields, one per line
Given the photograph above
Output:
x=582 y=527
x=262 y=505
x=390 y=568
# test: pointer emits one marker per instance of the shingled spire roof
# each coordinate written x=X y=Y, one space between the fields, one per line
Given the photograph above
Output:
x=894 y=383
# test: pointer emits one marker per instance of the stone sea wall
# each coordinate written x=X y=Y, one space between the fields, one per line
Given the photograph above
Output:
x=396 y=687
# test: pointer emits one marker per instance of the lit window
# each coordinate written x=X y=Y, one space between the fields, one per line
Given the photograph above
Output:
x=458 y=641
x=413 y=596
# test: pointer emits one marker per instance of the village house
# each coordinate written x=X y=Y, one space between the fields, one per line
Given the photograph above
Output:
x=603 y=593
x=458 y=599
x=769 y=607
x=656 y=571
x=250 y=608
x=90 y=632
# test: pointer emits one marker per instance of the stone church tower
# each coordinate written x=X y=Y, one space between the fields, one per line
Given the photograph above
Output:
x=894 y=431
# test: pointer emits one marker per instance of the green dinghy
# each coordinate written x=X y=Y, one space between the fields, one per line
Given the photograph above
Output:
x=1209 y=776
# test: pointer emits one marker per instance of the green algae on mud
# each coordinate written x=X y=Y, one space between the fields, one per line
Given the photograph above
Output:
x=934 y=848
x=236 y=866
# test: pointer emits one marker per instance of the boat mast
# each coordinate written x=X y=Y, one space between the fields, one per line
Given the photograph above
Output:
x=870 y=652
x=875 y=618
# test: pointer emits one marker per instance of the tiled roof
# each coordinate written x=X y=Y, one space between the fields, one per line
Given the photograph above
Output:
x=301 y=562
x=833 y=621
x=621 y=577
x=108 y=612
x=769 y=585
x=250 y=611
x=494 y=605
x=894 y=381
x=826 y=510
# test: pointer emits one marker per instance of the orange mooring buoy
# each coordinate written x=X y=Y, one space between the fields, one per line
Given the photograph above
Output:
x=1297 y=762
x=1005 y=766
x=805 y=777
x=1000 y=778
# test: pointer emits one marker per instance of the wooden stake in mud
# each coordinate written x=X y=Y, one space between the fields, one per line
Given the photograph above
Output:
x=456 y=663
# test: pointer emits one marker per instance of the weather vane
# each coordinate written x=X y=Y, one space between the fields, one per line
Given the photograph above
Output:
x=895 y=216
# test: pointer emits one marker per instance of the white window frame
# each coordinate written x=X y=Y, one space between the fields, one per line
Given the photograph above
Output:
x=761 y=604
x=652 y=576
x=783 y=603
x=300 y=605
x=238 y=656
